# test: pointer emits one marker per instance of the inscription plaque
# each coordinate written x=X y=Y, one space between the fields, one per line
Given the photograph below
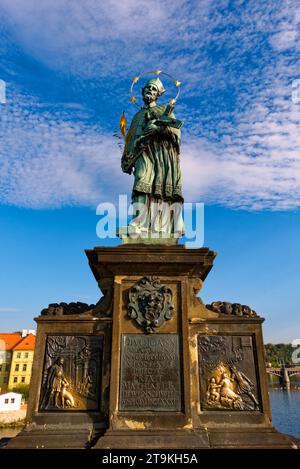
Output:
x=150 y=373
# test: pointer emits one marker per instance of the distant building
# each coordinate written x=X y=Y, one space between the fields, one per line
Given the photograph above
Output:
x=7 y=343
x=10 y=401
x=16 y=357
x=21 y=362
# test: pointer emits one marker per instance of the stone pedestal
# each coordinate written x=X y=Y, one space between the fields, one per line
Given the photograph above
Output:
x=150 y=366
x=162 y=376
x=150 y=393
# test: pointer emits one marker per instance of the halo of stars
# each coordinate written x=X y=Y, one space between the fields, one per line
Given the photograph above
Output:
x=135 y=80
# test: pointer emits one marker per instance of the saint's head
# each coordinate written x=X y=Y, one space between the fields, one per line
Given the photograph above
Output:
x=152 y=90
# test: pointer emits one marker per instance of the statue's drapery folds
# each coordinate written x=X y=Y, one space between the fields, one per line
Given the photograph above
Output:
x=157 y=168
x=151 y=152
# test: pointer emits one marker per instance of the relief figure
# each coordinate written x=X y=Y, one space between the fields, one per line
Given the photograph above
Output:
x=227 y=396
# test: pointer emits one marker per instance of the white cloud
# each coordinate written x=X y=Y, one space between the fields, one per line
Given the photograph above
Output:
x=284 y=39
x=48 y=162
x=59 y=33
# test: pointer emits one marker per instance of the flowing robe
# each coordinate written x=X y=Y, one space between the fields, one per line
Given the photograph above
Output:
x=154 y=159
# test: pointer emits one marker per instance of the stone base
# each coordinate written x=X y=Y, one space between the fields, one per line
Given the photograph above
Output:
x=235 y=438
x=256 y=438
x=73 y=438
x=159 y=439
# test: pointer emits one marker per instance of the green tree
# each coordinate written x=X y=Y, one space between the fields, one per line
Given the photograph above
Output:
x=22 y=389
x=276 y=354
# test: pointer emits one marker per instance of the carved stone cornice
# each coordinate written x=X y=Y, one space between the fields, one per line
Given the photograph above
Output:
x=60 y=309
x=232 y=309
x=147 y=259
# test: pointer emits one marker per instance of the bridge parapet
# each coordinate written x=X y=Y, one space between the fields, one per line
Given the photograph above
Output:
x=278 y=371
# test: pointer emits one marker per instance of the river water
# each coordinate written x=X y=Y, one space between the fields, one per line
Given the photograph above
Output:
x=286 y=410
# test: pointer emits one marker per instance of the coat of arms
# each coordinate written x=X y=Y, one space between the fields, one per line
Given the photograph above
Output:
x=150 y=303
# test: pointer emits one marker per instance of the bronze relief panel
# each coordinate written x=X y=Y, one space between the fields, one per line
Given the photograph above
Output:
x=72 y=373
x=227 y=371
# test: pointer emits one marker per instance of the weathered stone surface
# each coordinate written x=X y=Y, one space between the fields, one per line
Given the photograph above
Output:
x=187 y=420
x=59 y=309
x=235 y=309
x=146 y=259
x=150 y=303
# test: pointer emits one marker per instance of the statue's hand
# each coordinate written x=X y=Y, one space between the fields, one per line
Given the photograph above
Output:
x=151 y=129
x=126 y=165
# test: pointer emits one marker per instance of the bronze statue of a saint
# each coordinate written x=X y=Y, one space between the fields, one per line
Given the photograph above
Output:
x=151 y=152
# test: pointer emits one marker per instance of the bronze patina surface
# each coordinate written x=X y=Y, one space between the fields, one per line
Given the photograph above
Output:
x=150 y=373
x=72 y=372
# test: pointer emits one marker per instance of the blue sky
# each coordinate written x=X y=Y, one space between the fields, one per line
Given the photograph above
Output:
x=68 y=68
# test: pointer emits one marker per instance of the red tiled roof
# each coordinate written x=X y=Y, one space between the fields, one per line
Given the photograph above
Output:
x=27 y=343
x=10 y=339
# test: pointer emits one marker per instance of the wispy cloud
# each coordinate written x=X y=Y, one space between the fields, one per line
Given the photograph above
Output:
x=241 y=144
x=9 y=309
x=48 y=161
